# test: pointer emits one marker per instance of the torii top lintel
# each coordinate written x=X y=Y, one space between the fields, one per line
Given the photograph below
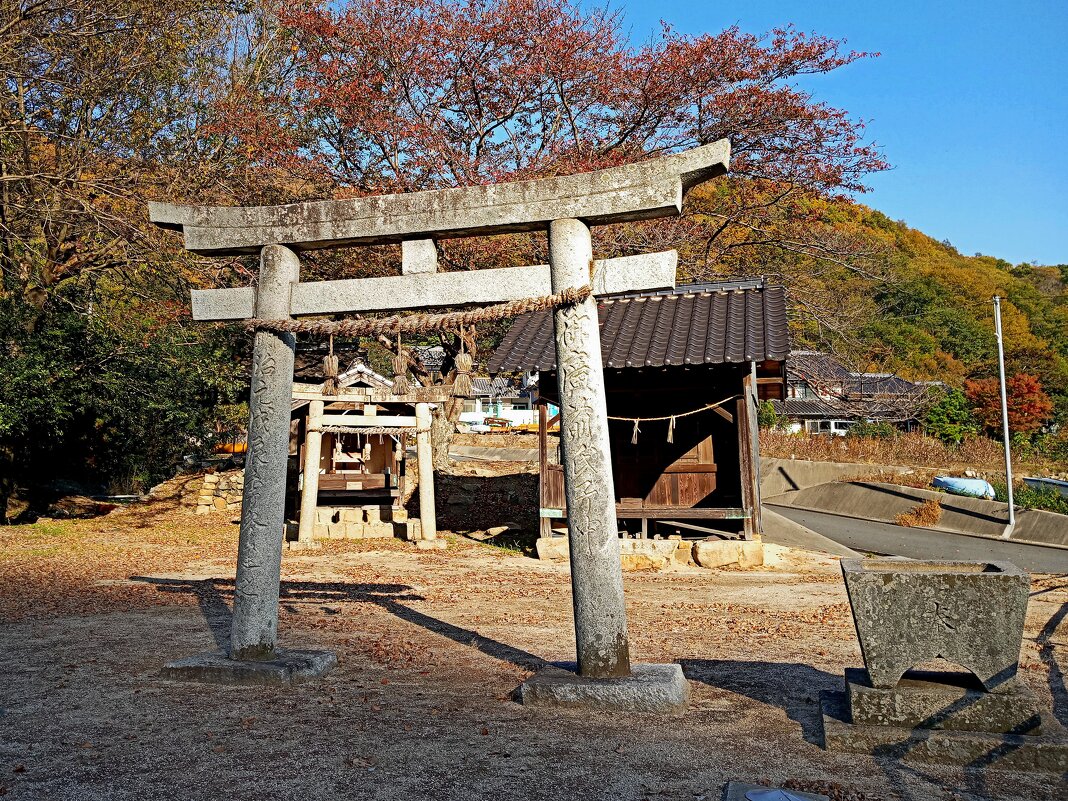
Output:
x=644 y=190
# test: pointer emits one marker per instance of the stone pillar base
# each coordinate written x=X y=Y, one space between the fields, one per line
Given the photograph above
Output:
x=288 y=667
x=297 y=545
x=437 y=544
x=649 y=688
x=944 y=721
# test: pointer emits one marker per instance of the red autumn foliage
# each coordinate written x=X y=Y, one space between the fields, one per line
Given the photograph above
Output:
x=393 y=95
x=1029 y=405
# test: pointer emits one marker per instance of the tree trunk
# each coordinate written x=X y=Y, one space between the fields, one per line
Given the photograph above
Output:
x=441 y=431
x=7 y=481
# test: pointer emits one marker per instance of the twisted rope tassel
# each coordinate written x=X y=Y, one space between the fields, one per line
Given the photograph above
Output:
x=330 y=371
x=634 y=435
x=400 y=370
x=400 y=377
x=671 y=429
x=461 y=385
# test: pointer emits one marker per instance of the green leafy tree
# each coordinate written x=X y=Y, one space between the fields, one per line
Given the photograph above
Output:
x=766 y=415
x=950 y=418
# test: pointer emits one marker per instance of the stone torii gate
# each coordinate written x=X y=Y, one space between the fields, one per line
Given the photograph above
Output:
x=566 y=207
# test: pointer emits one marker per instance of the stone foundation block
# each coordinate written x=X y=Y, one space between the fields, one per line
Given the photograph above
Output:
x=288 y=667
x=355 y=531
x=750 y=553
x=650 y=688
x=998 y=751
x=325 y=514
x=400 y=515
x=372 y=514
x=553 y=549
x=715 y=553
x=944 y=701
x=683 y=553
x=338 y=530
x=436 y=544
x=641 y=561
x=320 y=530
x=378 y=530
x=352 y=516
x=204 y=509
x=414 y=529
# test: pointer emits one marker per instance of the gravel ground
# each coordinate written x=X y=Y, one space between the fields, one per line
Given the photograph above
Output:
x=431 y=648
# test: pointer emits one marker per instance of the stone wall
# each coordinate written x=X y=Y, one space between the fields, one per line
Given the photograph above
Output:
x=221 y=492
x=364 y=522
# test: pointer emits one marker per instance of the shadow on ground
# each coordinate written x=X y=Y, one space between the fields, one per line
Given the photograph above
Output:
x=790 y=685
x=215 y=597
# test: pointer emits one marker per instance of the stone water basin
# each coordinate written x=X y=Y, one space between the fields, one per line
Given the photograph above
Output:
x=909 y=612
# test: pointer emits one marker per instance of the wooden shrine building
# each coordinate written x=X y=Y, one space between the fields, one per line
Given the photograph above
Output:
x=348 y=457
x=684 y=371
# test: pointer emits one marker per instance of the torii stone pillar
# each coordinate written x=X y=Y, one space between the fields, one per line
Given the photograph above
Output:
x=596 y=573
x=605 y=678
x=259 y=550
x=252 y=656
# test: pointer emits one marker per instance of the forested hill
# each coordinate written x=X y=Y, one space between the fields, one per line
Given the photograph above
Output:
x=899 y=300
x=936 y=318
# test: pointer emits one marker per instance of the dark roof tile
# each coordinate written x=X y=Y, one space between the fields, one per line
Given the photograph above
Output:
x=704 y=324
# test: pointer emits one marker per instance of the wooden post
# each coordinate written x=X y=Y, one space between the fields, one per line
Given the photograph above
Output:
x=746 y=420
x=545 y=524
x=424 y=453
x=313 y=450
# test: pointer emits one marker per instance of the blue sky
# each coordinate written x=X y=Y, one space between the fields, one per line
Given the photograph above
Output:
x=969 y=101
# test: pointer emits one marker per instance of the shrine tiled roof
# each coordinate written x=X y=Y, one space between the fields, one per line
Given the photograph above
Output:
x=714 y=323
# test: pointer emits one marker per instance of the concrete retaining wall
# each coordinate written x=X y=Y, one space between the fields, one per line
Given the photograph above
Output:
x=960 y=515
x=790 y=475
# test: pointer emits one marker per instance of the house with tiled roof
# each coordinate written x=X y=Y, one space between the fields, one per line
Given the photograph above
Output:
x=824 y=396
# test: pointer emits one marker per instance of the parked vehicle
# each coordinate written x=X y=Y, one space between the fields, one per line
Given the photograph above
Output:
x=830 y=428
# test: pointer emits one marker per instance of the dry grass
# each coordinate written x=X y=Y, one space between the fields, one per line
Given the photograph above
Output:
x=913 y=449
x=925 y=515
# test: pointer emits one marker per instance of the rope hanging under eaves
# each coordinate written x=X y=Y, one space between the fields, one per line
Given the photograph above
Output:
x=671 y=418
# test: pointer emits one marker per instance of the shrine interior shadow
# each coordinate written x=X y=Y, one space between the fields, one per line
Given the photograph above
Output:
x=793 y=686
x=215 y=598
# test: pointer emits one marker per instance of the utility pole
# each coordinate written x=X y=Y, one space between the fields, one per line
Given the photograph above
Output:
x=1004 y=415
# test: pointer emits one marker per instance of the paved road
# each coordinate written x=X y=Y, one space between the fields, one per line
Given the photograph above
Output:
x=884 y=538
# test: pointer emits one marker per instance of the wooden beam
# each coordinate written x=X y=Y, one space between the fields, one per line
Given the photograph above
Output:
x=724 y=414
x=667 y=512
x=312 y=392
x=369 y=420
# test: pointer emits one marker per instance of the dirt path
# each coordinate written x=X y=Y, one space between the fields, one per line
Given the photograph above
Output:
x=431 y=646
